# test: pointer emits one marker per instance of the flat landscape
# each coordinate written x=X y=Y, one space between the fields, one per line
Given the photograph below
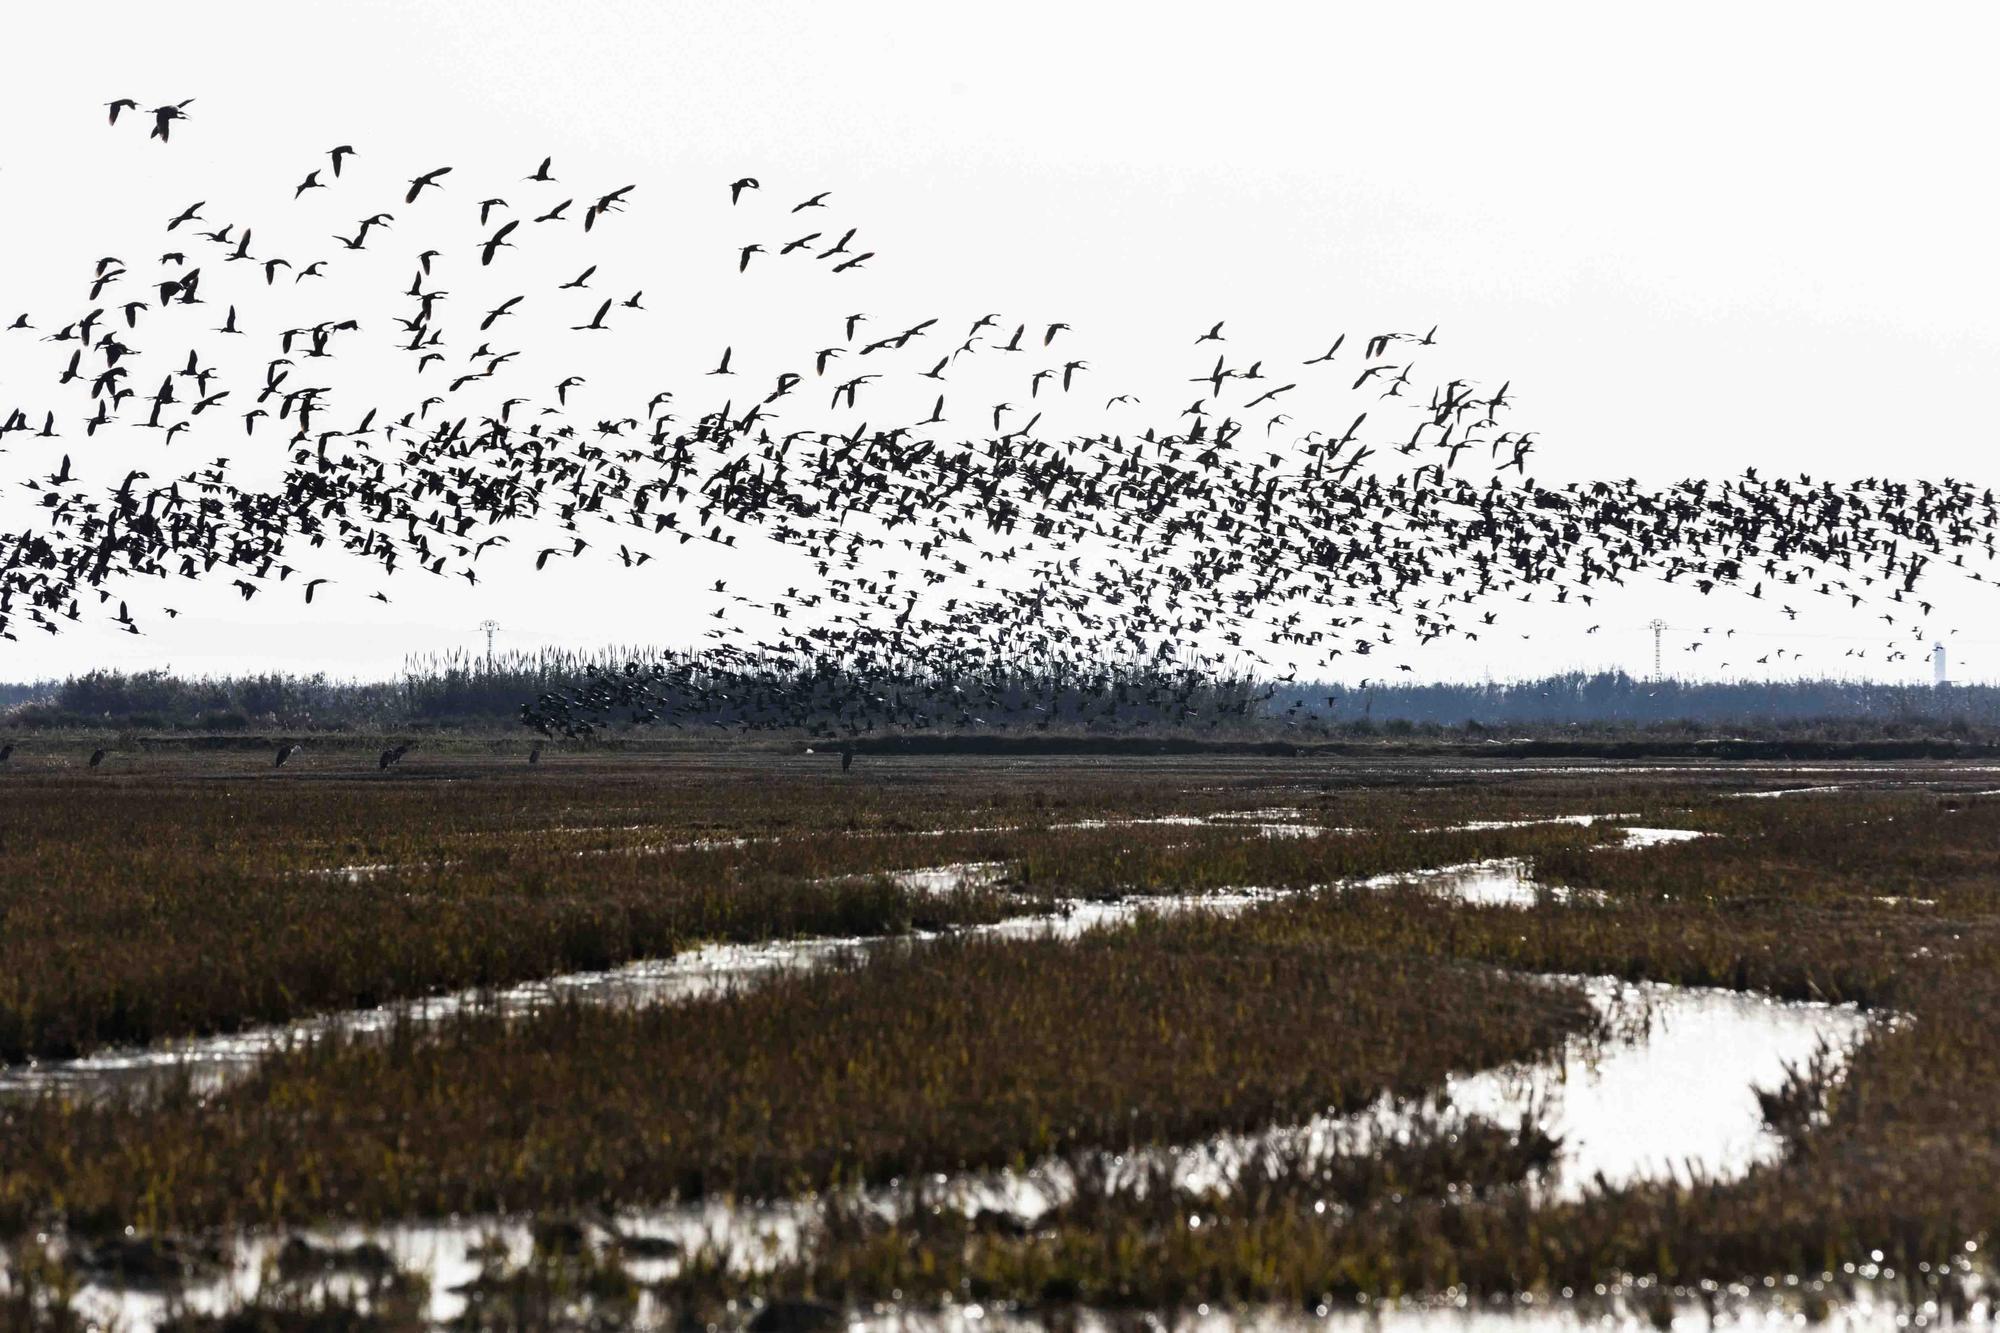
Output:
x=734 y=1036
x=763 y=667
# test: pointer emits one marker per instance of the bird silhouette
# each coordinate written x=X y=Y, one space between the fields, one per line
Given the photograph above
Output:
x=938 y=551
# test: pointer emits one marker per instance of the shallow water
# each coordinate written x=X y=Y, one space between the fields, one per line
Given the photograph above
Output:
x=1270 y=823
x=752 y=1234
x=209 y=1061
x=1872 y=1304
x=1245 y=821
x=1509 y=881
x=1482 y=825
x=1653 y=837
x=1501 y=882
x=714 y=969
x=1268 y=814
x=1670 y=1094
x=951 y=878
x=1680 y=1101
x=1844 y=1304
x=1904 y=772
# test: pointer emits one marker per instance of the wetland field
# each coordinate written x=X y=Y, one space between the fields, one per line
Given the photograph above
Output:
x=735 y=1038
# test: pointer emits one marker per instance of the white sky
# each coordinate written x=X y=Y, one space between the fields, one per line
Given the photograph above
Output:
x=1692 y=238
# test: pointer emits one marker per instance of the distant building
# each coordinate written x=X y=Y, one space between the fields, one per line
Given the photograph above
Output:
x=1937 y=665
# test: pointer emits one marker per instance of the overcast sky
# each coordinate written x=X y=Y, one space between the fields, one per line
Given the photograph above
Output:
x=1692 y=237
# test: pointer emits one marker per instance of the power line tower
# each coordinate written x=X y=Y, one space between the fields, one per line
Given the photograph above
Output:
x=1658 y=627
x=491 y=627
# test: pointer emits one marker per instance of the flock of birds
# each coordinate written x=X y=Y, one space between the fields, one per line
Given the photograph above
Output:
x=959 y=564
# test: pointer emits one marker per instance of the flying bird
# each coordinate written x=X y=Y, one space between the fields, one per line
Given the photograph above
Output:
x=417 y=183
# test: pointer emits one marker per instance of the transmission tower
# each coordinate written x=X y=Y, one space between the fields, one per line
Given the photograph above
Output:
x=491 y=627
x=1658 y=627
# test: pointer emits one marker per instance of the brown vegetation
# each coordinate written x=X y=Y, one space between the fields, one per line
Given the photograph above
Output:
x=975 y=1052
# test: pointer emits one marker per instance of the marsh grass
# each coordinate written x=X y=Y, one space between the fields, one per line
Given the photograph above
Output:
x=963 y=1054
x=391 y=1303
x=221 y=954
x=1891 y=1166
x=203 y=901
x=978 y=1053
x=37 y=1293
x=934 y=1251
x=569 y=1282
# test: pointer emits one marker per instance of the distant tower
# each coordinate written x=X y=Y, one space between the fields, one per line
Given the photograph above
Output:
x=1937 y=665
x=489 y=626
x=1658 y=627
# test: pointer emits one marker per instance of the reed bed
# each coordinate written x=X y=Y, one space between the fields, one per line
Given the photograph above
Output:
x=202 y=899
x=974 y=1052
x=1889 y=1169
x=961 y=1055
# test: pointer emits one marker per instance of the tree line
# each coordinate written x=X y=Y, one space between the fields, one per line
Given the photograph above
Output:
x=464 y=689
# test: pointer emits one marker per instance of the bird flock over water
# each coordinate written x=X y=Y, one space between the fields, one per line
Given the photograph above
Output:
x=952 y=548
